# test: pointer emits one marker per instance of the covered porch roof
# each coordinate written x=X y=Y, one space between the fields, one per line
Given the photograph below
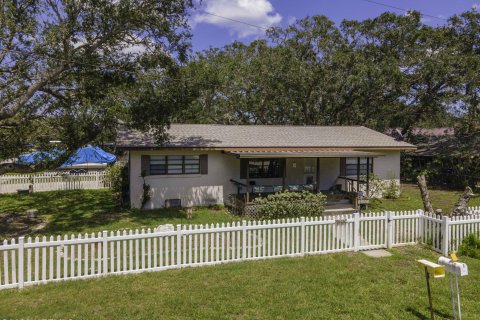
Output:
x=302 y=153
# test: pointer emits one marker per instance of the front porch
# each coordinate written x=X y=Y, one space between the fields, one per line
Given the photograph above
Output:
x=344 y=176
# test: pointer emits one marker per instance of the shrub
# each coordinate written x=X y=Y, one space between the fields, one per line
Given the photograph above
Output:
x=117 y=174
x=470 y=246
x=290 y=204
x=391 y=190
x=382 y=188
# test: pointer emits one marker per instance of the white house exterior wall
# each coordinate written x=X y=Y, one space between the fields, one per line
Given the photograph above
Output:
x=329 y=172
x=192 y=189
x=388 y=166
x=214 y=187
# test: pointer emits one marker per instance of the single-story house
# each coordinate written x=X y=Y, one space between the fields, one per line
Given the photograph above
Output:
x=203 y=164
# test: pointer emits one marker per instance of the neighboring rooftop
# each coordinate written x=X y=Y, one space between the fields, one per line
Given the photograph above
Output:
x=429 y=141
x=260 y=136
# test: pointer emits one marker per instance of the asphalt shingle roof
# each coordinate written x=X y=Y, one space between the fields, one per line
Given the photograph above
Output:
x=260 y=136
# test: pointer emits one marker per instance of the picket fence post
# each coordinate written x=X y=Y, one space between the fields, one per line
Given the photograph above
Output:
x=446 y=234
x=302 y=236
x=179 y=245
x=356 y=231
x=97 y=179
x=244 y=239
x=105 y=252
x=389 y=220
x=21 y=241
x=421 y=226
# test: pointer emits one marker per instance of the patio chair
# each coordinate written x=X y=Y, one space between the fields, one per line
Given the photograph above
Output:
x=308 y=187
x=277 y=188
x=294 y=187
x=258 y=189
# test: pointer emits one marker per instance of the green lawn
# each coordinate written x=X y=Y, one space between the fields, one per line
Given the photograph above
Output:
x=76 y=211
x=410 y=199
x=332 y=286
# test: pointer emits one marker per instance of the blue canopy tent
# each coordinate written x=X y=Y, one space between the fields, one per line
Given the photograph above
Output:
x=89 y=155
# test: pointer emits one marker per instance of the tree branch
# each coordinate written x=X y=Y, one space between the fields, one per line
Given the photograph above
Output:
x=6 y=113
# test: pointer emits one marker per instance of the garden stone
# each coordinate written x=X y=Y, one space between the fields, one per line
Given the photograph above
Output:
x=165 y=227
x=32 y=213
x=377 y=253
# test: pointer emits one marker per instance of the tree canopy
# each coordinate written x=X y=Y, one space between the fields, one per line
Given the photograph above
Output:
x=70 y=68
x=389 y=71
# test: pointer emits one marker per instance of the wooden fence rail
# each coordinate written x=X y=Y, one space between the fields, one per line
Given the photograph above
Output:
x=51 y=181
x=31 y=261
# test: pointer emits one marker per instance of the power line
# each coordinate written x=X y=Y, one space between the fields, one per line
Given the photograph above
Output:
x=206 y=12
x=402 y=9
x=234 y=20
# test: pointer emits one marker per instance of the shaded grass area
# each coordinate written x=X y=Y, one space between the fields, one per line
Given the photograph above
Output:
x=76 y=211
x=410 y=199
x=333 y=286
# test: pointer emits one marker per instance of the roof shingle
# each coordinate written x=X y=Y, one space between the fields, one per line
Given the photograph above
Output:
x=258 y=136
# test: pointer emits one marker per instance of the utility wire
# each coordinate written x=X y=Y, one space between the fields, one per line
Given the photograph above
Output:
x=106 y=67
x=234 y=20
x=402 y=9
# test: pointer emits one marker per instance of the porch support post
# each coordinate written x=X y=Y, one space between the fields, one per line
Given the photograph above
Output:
x=358 y=174
x=284 y=175
x=318 y=175
x=368 y=176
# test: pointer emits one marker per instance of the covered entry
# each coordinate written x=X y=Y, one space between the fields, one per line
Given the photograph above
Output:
x=269 y=171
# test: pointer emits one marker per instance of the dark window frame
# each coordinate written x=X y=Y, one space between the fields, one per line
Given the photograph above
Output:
x=351 y=168
x=277 y=171
x=154 y=171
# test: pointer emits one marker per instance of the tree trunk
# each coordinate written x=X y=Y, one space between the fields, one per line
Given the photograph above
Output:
x=461 y=206
x=422 y=184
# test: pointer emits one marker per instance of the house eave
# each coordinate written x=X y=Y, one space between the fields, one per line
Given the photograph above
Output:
x=233 y=148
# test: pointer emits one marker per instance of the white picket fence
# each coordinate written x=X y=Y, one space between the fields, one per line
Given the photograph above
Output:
x=26 y=262
x=50 y=181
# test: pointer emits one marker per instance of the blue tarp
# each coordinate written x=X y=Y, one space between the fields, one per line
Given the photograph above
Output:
x=37 y=157
x=89 y=154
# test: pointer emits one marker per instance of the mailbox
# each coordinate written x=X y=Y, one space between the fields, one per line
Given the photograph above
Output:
x=433 y=269
x=453 y=267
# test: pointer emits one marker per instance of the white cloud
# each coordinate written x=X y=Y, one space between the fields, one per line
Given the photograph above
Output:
x=425 y=20
x=291 y=20
x=476 y=6
x=255 y=12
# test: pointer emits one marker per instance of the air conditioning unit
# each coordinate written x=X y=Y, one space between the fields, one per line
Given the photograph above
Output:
x=173 y=203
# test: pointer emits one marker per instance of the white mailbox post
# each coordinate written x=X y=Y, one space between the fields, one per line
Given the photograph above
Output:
x=454 y=269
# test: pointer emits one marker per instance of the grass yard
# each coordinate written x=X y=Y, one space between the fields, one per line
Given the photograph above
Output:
x=332 y=286
x=410 y=199
x=74 y=211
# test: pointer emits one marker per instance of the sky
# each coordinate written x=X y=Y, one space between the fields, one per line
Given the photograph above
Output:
x=211 y=29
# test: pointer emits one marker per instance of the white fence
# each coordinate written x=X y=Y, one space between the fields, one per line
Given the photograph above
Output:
x=26 y=262
x=51 y=181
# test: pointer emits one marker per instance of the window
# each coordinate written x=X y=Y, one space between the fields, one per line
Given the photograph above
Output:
x=163 y=165
x=352 y=163
x=262 y=168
